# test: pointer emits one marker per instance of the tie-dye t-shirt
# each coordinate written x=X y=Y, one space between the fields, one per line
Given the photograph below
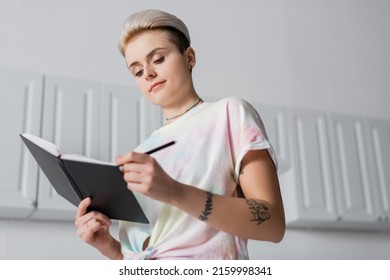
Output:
x=211 y=140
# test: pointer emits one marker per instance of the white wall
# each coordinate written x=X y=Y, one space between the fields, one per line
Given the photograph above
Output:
x=326 y=55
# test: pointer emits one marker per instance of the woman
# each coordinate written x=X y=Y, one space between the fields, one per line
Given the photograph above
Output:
x=212 y=190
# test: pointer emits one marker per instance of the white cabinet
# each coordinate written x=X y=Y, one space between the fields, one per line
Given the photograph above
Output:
x=71 y=121
x=378 y=141
x=20 y=111
x=120 y=130
x=126 y=119
x=275 y=122
x=353 y=185
x=309 y=193
x=339 y=172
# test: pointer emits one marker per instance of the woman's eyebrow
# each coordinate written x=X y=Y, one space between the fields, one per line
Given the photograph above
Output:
x=149 y=55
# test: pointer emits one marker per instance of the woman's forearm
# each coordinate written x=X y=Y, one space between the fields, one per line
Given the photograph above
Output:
x=245 y=217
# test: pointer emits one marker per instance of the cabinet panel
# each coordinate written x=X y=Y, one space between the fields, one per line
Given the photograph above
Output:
x=379 y=164
x=351 y=168
x=275 y=122
x=120 y=119
x=20 y=111
x=151 y=118
x=70 y=120
x=312 y=165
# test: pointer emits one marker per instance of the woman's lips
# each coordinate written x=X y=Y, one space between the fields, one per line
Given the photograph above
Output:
x=156 y=85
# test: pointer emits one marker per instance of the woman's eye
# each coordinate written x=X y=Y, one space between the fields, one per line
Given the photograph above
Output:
x=139 y=73
x=159 y=60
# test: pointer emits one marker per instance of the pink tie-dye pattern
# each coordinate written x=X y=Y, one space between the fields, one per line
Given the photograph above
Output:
x=211 y=141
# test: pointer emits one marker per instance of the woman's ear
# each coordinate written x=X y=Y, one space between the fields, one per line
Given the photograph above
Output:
x=191 y=57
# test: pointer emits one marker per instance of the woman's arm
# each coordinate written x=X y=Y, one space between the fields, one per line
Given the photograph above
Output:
x=260 y=215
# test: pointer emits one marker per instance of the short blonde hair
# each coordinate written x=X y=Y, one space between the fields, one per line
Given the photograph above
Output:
x=152 y=19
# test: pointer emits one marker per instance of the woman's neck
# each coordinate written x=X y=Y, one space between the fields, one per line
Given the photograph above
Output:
x=181 y=107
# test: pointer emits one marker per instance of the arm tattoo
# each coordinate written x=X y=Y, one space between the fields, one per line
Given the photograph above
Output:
x=259 y=211
x=207 y=207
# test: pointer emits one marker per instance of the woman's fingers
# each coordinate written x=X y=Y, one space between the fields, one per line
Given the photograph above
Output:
x=133 y=167
x=143 y=174
x=83 y=206
x=92 y=216
x=87 y=231
x=91 y=220
x=131 y=157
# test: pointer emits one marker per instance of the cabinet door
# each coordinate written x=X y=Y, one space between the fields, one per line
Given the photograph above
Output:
x=275 y=122
x=120 y=120
x=378 y=141
x=351 y=168
x=70 y=120
x=312 y=167
x=20 y=111
x=151 y=118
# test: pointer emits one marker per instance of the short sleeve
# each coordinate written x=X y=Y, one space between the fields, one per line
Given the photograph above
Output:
x=246 y=132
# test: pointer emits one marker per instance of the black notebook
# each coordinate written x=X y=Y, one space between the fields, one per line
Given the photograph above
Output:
x=76 y=177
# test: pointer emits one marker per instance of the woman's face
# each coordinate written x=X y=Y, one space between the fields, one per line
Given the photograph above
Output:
x=160 y=70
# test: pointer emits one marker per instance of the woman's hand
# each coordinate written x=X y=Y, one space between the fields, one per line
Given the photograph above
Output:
x=93 y=228
x=144 y=175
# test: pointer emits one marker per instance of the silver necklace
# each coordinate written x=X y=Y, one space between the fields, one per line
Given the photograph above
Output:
x=200 y=100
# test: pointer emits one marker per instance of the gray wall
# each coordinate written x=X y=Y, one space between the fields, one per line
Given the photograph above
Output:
x=326 y=55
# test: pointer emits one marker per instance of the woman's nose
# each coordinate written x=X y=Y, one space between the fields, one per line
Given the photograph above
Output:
x=150 y=73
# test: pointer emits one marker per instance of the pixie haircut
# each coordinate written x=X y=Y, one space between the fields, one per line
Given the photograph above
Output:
x=155 y=20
